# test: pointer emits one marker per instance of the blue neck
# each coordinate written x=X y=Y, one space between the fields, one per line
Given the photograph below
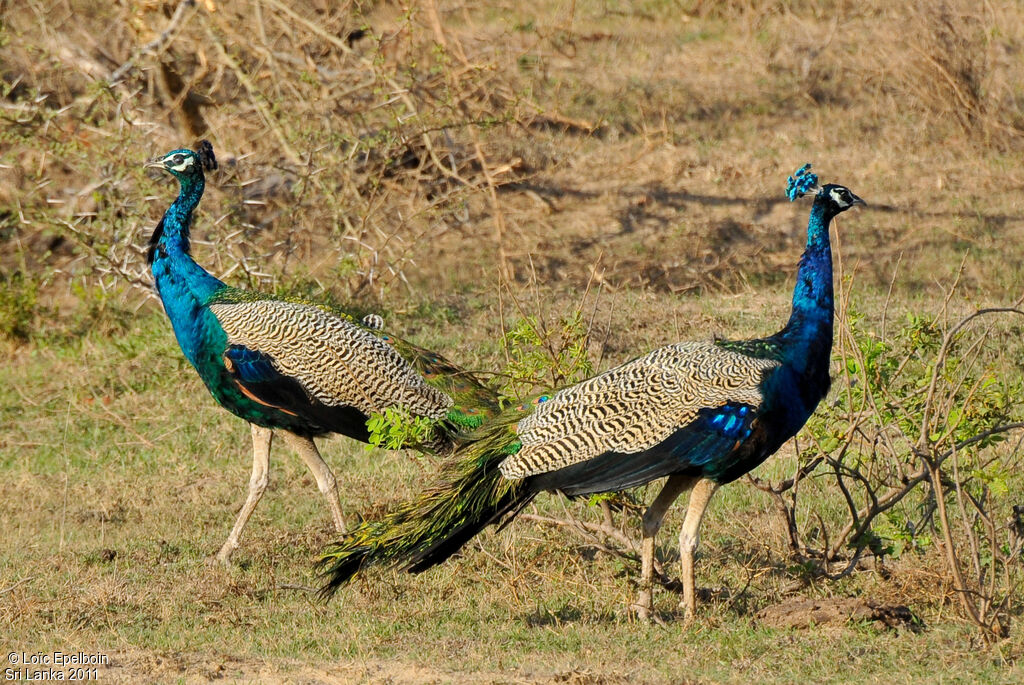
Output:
x=806 y=341
x=171 y=235
x=184 y=286
x=812 y=295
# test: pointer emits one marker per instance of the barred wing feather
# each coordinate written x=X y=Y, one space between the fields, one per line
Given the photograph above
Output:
x=636 y=406
x=336 y=362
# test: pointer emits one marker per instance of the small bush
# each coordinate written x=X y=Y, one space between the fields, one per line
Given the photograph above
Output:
x=18 y=310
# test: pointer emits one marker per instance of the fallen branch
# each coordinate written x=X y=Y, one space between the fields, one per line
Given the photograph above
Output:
x=590 y=530
x=16 y=585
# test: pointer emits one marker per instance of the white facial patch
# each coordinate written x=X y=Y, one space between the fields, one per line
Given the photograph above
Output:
x=185 y=164
x=839 y=197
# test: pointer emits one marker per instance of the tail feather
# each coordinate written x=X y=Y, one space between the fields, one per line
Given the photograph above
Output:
x=428 y=529
x=475 y=401
x=442 y=549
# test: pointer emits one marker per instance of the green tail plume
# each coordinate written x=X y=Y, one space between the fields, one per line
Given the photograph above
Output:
x=428 y=529
x=476 y=402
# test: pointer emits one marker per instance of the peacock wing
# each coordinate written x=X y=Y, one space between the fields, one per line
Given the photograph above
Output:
x=333 y=360
x=258 y=379
x=689 y=401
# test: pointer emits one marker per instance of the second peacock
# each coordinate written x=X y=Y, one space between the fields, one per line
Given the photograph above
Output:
x=302 y=368
x=700 y=413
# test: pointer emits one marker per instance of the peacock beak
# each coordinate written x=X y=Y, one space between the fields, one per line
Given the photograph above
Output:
x=155 y=163
x=858 y=201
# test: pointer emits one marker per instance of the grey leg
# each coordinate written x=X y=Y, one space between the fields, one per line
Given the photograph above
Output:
x=655 y=514
x=322 y=472
x=689 y=537
x=261 y=439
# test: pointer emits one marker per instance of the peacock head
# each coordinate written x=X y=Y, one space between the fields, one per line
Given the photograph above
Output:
x=837 y=198
x=185 y=164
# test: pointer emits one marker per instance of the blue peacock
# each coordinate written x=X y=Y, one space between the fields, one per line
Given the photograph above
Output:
x=699 y=413
x=300 y=368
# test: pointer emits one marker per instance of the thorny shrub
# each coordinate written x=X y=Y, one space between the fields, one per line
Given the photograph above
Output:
x=394 y=118
x=545 y=356
x=917 y=447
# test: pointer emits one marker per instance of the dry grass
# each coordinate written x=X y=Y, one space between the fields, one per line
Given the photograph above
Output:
x=556 y=133
x=112 y=503
x=429 y=167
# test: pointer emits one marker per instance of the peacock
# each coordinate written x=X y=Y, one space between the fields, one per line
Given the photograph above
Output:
x=303 y=369
x=701 y=414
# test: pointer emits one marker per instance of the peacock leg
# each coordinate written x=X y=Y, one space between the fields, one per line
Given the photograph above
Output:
x=261 y=439
x=325 y=479
x=655 y=514
x=689 y=537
